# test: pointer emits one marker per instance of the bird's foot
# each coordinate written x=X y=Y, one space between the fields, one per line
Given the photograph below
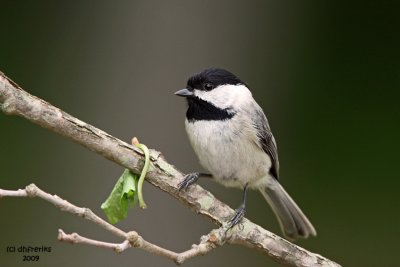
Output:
x=188 y=180
x=238 y=216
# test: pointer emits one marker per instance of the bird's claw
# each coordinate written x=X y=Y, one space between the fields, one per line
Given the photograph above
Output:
x=238 y=216
x=188 y=180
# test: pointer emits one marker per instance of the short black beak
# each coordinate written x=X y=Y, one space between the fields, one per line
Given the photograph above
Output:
x=184 y=92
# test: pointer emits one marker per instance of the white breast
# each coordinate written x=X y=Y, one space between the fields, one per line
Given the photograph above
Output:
x=227 y=149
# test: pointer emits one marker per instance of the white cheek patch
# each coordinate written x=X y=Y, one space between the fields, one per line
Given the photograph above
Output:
x=226 y=96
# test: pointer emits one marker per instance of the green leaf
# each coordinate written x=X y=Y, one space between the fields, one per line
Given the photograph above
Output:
x=123 y=195
x=127 y=191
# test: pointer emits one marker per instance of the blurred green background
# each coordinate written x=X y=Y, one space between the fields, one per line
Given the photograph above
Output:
x=326 y=74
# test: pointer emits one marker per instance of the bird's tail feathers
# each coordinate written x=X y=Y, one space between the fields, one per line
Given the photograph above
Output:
x=292 y=220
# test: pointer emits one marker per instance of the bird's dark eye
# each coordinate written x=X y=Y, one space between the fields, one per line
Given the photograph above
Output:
x=208 y=86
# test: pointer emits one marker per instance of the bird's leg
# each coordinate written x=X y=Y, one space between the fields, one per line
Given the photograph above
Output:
x=190 y=179
x=240 y=211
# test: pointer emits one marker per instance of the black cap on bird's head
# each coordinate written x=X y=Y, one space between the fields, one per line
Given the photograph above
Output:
x=207 y=80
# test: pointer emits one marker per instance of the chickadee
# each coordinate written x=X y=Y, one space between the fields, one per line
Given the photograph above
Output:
x=233 y=141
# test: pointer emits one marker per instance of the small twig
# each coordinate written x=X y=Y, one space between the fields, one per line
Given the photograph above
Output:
x=131 y=239
x=75 y=238
x=12 y=193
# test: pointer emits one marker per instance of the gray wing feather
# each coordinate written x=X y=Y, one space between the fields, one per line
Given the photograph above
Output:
x=266 y=140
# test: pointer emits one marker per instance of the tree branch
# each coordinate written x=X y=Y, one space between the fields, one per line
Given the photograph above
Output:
x=131 y=239
x=15 y=101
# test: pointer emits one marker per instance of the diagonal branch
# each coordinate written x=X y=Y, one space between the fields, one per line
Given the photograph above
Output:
x=15 y=101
